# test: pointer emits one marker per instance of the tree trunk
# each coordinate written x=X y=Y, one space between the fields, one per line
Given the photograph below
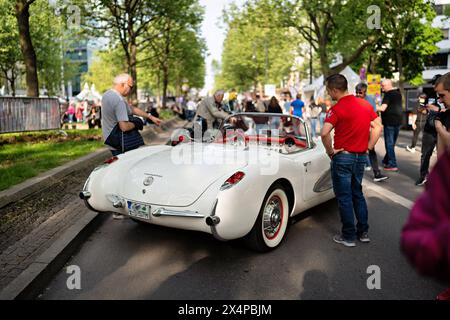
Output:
x=26 y=45
x=165 y=84
x=132 y=67
x=401 y=79
x=165 y=66
x=323 y=56
x=158 y=86
x=13 y=82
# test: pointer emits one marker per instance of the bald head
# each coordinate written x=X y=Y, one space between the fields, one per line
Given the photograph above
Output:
x=122 y=78
x=386 y=85
x=123 y=84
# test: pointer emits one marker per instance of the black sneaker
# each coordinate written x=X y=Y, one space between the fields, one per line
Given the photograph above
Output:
x=379 y=177
x=421 y=181
x=340 y=239
x=364 y=237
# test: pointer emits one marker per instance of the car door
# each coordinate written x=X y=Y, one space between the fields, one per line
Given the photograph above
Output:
x=315 y=166
x=317 y=176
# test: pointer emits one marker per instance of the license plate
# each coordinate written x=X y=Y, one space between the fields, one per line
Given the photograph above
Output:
x=139 y=210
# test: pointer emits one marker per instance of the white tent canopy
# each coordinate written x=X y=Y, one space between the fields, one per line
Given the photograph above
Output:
x=317 y=89
x=89 y=94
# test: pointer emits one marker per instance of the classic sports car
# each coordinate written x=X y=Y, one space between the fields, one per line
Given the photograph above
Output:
x=243 y=180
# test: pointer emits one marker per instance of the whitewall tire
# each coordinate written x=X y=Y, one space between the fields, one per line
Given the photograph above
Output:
x=270 y=227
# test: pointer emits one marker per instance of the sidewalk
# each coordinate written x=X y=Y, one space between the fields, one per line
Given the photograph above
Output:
x=49 y=221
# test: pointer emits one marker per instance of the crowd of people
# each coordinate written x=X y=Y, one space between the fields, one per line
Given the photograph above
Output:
x=358 y=121
x=86 y=112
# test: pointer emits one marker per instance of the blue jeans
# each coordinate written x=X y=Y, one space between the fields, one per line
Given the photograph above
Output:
x=322 y=117
x=347 y=171
x=313 y=127
x=390 y=139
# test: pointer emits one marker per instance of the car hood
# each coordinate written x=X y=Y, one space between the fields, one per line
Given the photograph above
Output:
x=178 y=176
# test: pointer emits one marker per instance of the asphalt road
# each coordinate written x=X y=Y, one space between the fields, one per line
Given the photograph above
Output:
x=124 y=260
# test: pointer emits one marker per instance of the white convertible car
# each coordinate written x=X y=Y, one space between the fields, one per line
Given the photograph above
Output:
x=243 y=180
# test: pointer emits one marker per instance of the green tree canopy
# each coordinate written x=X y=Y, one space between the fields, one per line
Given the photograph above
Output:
x=254 y=52
x=407 y=39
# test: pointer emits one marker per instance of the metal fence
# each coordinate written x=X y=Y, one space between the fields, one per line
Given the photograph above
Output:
x=29 y=114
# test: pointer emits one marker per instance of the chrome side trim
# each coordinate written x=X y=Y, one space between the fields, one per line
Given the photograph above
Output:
x=174 y=213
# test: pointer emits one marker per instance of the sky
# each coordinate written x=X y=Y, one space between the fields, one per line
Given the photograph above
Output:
x=213 y=34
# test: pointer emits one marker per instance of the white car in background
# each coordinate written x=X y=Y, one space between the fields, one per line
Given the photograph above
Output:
x=246 y=181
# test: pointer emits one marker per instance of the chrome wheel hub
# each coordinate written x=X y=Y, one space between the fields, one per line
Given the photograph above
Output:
x=272 y=217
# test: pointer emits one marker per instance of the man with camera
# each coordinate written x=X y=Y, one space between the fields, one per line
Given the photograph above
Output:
x=429 y=138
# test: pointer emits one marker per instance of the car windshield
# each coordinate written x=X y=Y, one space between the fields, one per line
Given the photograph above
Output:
x=284 y=132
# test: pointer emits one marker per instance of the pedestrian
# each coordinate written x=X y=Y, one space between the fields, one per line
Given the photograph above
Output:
x=71 y=112
x=323 y=113
x=274 y=107
x=94 y=118
x=316 y=110
x=232 y=98
x=191 y=108
x=442 y=120
x=287 y=103
x=249 y=106
x=297 y=106
x=357 y=128
x=429 y=136
x=209 y=110
x=79 y=112
x=418 y=121
x=259 y=104
x=391 y=116
x=116 y=110
x=361 y=92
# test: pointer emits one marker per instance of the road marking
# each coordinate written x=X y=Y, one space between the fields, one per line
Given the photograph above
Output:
x=388 y=194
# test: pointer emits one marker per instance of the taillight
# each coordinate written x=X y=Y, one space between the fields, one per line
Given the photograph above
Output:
x=231 y=181
x=180 y=140
x=111 y=160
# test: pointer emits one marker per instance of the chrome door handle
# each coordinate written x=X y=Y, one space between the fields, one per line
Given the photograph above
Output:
x=305 y=164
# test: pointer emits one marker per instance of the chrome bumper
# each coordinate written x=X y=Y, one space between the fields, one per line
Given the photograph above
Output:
x=175 y=213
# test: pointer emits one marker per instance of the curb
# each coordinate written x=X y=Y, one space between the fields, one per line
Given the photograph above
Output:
x=30 y=283
x=48 y=178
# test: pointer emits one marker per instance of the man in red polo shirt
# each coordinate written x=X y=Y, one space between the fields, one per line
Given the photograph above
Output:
x=357 y=128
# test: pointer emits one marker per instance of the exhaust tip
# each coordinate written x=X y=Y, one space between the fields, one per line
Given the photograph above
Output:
x=84 y=195
x=212 y=220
